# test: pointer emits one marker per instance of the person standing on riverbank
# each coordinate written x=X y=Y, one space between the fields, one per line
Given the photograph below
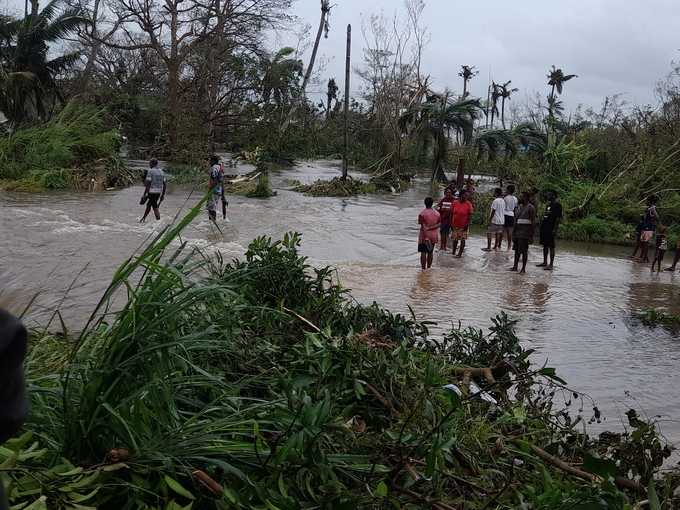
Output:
x=510 y=205
x=154 y=190
x=472 y=193
x=649 y=219
x=523 y=230
x=548 y=231
x=496 y=222
x=13 y=396
x=429 y=221
x=216 y=177
x=533 y=199
x=444 y=208
x=460 y=222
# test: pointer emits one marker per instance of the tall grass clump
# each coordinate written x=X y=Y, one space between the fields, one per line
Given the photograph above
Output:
x=259 y=383
x=74 y=140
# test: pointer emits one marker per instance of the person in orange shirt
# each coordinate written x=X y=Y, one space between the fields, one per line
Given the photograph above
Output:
x=460 y=222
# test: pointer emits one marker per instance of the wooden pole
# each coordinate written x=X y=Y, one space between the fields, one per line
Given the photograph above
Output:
x=346 y=113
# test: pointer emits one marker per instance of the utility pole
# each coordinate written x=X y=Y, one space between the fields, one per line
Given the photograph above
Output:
x=346 y=113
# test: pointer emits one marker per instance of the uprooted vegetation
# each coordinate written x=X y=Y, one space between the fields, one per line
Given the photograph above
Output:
x=74 y=149
x=260 y=383
x=336 y=187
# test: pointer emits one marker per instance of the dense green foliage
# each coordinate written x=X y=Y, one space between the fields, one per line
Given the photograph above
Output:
x=265 y=375
x=73 y=148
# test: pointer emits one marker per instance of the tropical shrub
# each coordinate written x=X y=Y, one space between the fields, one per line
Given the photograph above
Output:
x=260 y=383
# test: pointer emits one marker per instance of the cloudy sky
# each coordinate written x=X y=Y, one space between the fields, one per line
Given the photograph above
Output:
x=614 y=46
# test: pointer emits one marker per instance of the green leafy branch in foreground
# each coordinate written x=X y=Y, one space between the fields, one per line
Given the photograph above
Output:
x=260 y=384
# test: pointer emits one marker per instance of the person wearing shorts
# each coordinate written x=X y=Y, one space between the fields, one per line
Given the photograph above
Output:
x=444 y=208
x=460 y=222
x=429 y=221
x=523 y=230
x=216 y=176
x=548 y=230
x=154 y=190
x=496 y=222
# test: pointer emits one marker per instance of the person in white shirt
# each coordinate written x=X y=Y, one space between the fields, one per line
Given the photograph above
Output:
x=154 y=190
x=510 y=205
x=496 y=222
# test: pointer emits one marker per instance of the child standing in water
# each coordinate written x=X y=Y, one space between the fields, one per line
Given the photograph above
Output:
x=649 y=219
x=661 y=247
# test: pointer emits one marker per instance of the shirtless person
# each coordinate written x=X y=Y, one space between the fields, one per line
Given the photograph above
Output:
x=523 y=230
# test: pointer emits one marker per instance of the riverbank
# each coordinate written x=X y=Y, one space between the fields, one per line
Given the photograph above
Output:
x=578 y=316
x=261 y=382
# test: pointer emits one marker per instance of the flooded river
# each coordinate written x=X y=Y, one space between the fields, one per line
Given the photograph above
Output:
x=577 y=317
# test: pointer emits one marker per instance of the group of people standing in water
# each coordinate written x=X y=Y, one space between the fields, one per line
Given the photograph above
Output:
x=510 y=215
x=644 y=233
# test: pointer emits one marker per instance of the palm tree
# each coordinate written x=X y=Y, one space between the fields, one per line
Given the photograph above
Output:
x=528 y=137
x=556 y=79
x=27 y=85
x=281 y=76
x=525 y=136
x=495 y=94
x=331 y=93
x=435 y=119
x=467 y=73
x=505 y=94
x=323 y=28
x=492 y=141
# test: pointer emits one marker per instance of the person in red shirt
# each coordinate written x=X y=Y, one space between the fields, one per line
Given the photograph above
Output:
x=444 y=209
x=461 y=215
x=429 y=221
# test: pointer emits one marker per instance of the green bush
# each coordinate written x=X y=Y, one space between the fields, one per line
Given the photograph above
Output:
x=267 y=377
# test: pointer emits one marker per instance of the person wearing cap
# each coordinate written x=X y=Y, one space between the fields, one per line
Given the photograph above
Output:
x=13 y=396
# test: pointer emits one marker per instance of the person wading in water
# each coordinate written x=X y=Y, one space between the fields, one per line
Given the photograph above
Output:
x=523 y=230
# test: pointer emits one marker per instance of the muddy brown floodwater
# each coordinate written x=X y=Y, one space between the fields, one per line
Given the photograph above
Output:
x=577 y=317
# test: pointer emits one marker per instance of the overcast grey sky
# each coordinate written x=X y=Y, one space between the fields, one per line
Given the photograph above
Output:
x=614 y=46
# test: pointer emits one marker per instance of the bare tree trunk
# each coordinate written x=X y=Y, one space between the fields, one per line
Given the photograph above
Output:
x=174 y=102
x=346 y=112
x=325 y=9
x=503 y=112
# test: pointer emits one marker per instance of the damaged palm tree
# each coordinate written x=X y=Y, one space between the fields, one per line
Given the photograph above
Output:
x=435 y=119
